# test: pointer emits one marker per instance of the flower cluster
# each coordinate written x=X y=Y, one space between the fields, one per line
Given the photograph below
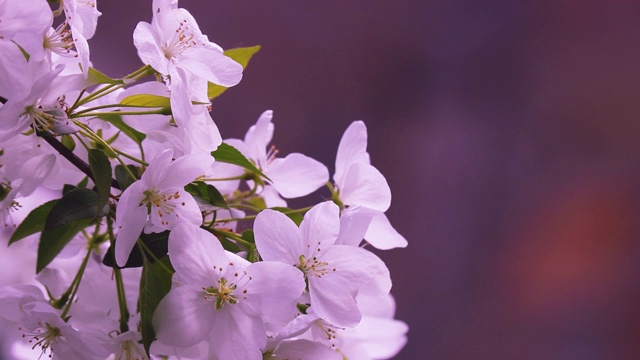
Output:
x=150 y=235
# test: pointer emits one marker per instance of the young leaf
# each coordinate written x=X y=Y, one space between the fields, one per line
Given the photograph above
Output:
x=116 y=120
x=241 y=56
x=76 y=204
x=155 y=283
x=33 y=223
x=101 y=169
x=68 y=142
x=228 y=154
x=147 y=100
x=52 y=241
x=122 y=176
x=96 y=77
x=207 y=193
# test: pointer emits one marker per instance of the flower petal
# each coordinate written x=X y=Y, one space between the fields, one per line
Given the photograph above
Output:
x=297 y=175
x=194 y=252
x=129 y=233
x=352 y=149
x=321 y=225
x=365 y=186
x=382 y=235
x=183 y=317
x=277 y=237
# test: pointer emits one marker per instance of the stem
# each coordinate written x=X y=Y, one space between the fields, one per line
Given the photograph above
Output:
x=109 y=106
x=96 y=114
x=122 y=300
x=69 y=155
x=231 y=235
x=96 y=138
x=75 y=284
x=241 y=177
x=113 y=87
x=146 y=251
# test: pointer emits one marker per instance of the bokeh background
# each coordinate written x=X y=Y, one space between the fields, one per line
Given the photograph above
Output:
x=507 y=130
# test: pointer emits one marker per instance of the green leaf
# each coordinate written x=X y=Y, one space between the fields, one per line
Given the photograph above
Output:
x=52 y=241
x=241 y=56
x=33 y=223
x=157 y=243
x=68 y=142
x=76 y=204
x=207 y=193
x=101 y=170
x=228 y=154
x=116 y=120
x=123 y=178
x=155 y=283
x=257 y=202
x=96 y=77
x=147 y=100
x=295 y=216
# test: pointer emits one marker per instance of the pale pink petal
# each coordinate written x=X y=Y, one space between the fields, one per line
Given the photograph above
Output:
x=352 y=149
x=359 y=266
x=277 y=237
x=382 y=235
x=365 y=186
x=321 y=225
x=236 y=335
x=333 y=300
x=354 y=222
x=274 y=289
x=304 y=349
x=297 y=175
x=258 y=138
x=156 y=171
x=129 y=233
x=180 y=99
x=178 y=319
x=186 y=169
x=150 y=53
x=211 y=65
x=193 y=253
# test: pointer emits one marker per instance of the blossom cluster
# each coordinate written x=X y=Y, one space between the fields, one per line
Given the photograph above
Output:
x=135 y=231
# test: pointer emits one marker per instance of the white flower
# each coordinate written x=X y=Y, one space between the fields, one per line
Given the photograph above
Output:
x=82 y=17
x=174 y=46
x=335 y=273
x=159 y=197
x=222 y=298
x=293 y=176
x=364 y=192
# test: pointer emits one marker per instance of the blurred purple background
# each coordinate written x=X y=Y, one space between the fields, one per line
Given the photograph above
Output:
x=507 y=130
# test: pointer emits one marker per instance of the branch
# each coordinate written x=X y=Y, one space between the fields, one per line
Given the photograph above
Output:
x=69 y=155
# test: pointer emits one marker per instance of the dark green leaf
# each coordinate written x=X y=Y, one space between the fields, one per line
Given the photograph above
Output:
x=116 y=120
x=33 y=223
x=157 y=243
x=247 y=235
x=66 y=188
x=123 y=178
x=68 y=142
x=241 y=56
x=207 y=193
x=146 y=100
x=101 y=170
x=52 y=241
x=84 y=182
x=228 y=154
x=76 y=204
x=253 y=255
x=96 y=77
x=155 y=283
x=295 y=216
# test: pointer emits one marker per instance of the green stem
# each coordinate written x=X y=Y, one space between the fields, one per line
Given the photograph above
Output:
x=113 y=87
x=231 y=235
x=146 y=251
x=96 y=114
x=83 y=111
x=75 y=284
x=122 y=299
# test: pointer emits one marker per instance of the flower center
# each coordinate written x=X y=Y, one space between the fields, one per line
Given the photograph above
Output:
x=44 y=337
x=312 y=266
x=222 y=294
x=130 y=350
x=60 y=40
x=164 y=203
x=183 y=39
